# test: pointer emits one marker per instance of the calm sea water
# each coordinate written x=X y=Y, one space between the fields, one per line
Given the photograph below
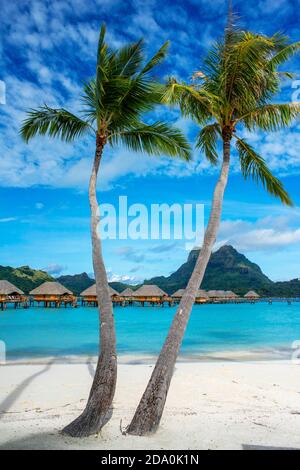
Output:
x=39 y=332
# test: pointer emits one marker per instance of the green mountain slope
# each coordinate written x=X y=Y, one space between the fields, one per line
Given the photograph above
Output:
x=285 y=289
x=77 y=282
x=226 y=270
x=24 y=277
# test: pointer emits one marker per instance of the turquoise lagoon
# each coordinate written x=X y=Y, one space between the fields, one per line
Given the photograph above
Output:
x=214 y=331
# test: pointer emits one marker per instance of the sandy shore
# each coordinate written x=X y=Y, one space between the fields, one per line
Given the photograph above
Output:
x=211 y=405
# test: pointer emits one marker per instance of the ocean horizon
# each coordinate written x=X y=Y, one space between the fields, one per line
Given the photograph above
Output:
x=215 y=331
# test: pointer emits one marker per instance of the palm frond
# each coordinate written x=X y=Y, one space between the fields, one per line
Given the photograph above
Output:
x=129 y=59
x=55 y=123
x=254 y=166
x=127 y=100
x=158 y=138
x=194 y=103
x=282 y=74
x=101 y=42
x=102 y=67
x=157 y=58
x=272 y=117
x=89 y=101
x=244 y=76
x=283 y=55
x=207 y=142
x=123 y=89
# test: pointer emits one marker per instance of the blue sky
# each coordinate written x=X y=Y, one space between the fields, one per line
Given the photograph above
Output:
x=47 y=49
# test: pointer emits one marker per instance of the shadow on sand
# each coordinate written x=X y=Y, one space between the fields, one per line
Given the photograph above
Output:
x=44 y=441
x=7 y=403
x=50 y=440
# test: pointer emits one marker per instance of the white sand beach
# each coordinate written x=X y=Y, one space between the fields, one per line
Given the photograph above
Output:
x=211 y=405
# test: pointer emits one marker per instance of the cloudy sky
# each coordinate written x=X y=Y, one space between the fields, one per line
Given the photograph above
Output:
x=47 y=50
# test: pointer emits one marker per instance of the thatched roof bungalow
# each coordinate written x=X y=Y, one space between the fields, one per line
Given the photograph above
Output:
x=128 y=292
x=89 y=295
x=149 y=293
x=251 y=295
x=201 y=296
x=178 y=294
x=212 y=294
x=7 y=289
x=230 y=295
x=51 y=288
x=91 y=291
x=9 y=293
x=53 y=292
x=221 y=295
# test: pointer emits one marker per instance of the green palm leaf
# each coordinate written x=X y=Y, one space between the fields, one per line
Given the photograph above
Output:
x=54 y=122
x=158 y=138
x=272 y=117
x=193 y=102
x=284 y=54
x=207 y=142
x=129 y=59
x=115 y=101
x=157 y=58
x=254 y=166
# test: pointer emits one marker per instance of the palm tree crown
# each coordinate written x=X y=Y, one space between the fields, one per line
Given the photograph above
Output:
x=113 y=105
x=234 y=90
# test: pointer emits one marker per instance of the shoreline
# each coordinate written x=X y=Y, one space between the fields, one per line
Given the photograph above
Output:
x=210 y=405
x=233 y=355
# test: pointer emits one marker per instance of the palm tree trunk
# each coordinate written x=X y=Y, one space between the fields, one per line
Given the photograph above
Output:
x=98 y=408
x=151 y=406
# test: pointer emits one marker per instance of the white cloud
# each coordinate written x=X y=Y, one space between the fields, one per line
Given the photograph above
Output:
x=54 y=269
x=8 y=219
x=126 y=278
x=279 y=149
x=131 y=254
x=269 y=233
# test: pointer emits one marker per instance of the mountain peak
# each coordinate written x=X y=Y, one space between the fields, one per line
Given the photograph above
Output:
x=227 y=249
x=227 y=270
x=224 y=250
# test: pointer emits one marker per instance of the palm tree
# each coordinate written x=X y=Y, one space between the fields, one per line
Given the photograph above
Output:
x=233 y=91
x=114 y=102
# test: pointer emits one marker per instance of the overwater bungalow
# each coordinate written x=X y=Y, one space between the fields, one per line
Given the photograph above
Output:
x=251 y=295
x=53 y=294
x=127 y=296
x=176 y=297
x=10 y=294
x=115 y=296
x=212 y=294
x=89 y=296
x=201 y=297
x=220 y=296
x=151 y=294
x=127 y=293
x=230 y=296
